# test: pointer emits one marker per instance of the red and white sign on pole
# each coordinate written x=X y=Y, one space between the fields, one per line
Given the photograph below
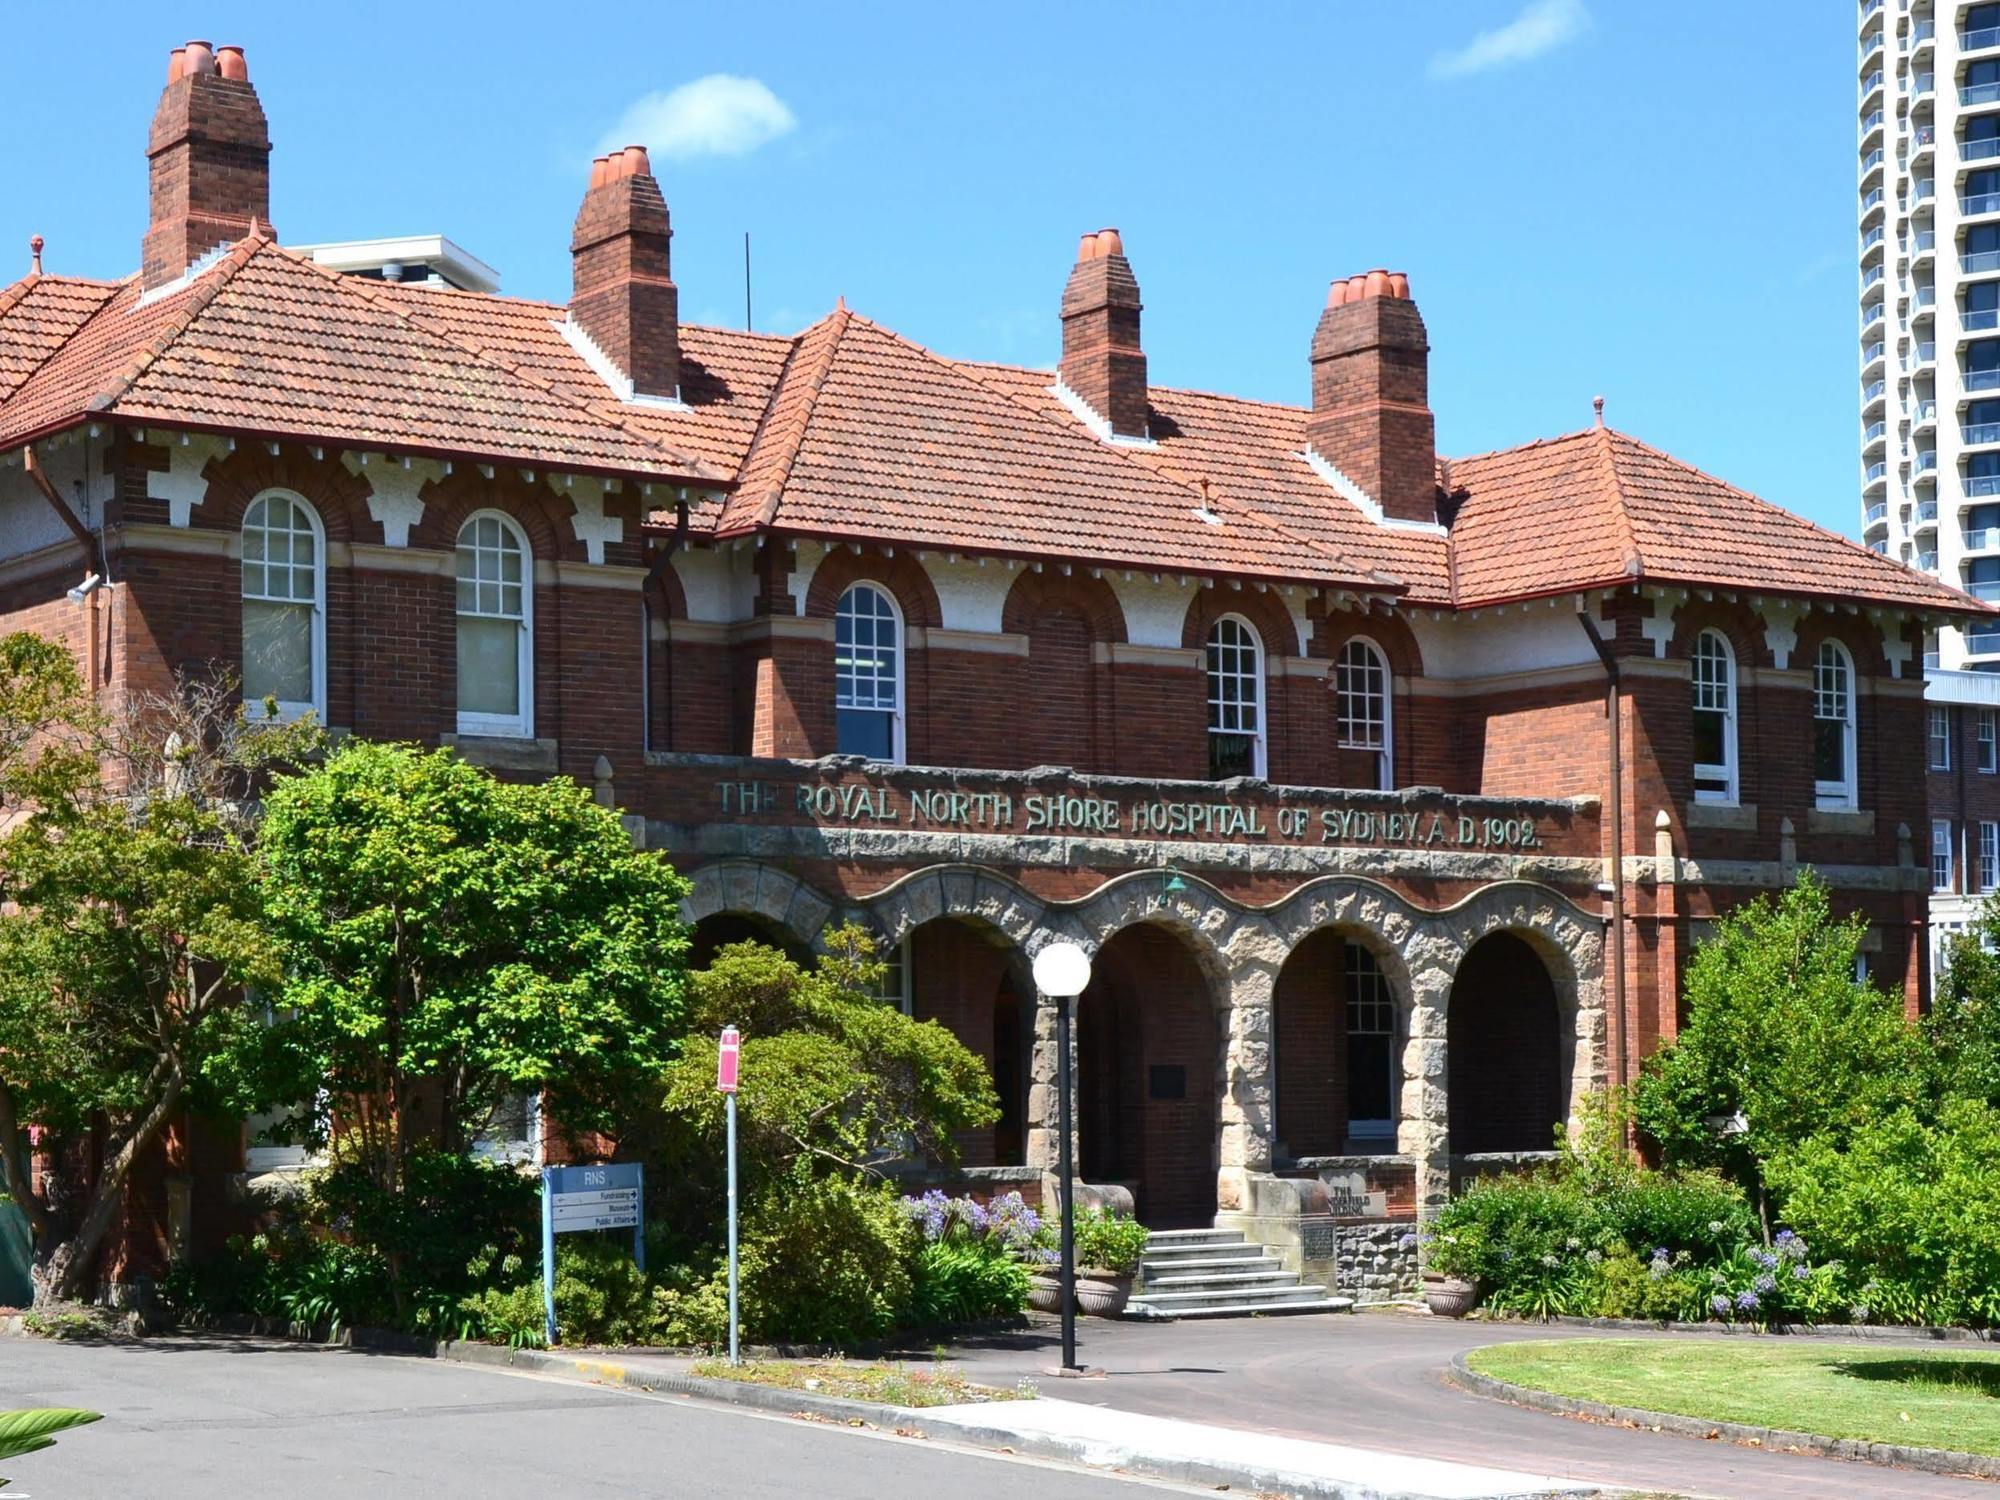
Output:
x=725 y=1061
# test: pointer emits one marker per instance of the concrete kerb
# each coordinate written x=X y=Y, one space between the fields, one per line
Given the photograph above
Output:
x=1942 y=1461
x=915 y=1422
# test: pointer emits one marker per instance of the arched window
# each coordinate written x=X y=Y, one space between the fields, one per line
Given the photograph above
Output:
x=1833 y=727
x=1372 y=1068
x=1361 y=691
x=1235 y=700
x=284 y=605
x=868 y=674
x=1714 y=673
x=496 y=607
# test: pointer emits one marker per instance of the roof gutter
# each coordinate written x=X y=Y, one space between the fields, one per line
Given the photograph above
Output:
x=1615 y=770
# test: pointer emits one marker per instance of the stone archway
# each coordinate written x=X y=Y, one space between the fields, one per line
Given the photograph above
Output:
x=1505 y=1089
x=765 y=893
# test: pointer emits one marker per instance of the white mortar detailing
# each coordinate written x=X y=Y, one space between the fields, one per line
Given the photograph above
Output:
x=970 y=597
x=1100 y=427
x=186 y=278
x=1896 y=653
x=806 y=558
x=1660 y=628
x=1360 y=499
x=1155 y=613
x=592 y=526
x=619 y=383
x=393 y=493
x=182 y=486
x=1541 y=637
x=1781 y=630
x=711 y=586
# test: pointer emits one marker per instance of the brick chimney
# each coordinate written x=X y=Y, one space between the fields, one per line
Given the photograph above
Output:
x=210 y=156
x=1102 y=361
x=1371 y=416
x=623 y=295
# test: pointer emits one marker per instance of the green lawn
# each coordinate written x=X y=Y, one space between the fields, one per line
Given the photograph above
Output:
x=1926 y=1398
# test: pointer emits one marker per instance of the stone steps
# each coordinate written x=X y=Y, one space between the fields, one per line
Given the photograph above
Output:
x=1217 y=1273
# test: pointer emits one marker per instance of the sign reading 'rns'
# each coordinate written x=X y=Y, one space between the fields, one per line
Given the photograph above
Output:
x=853 y=805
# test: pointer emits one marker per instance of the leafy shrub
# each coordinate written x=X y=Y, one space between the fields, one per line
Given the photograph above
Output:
x=602 y=1297
x=1913 y=1209
x=963 y=1281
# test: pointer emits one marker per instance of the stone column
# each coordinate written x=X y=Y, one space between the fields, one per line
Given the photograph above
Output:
x=1044 y=1105
x=1246 y=1100
x=1424 y=1131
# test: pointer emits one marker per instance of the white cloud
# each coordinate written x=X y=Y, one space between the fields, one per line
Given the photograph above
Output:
x=720 y=115
x=1542 y=26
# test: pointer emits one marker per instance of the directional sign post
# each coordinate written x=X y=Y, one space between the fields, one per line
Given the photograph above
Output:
x=726 y=1059
x=575 y=1198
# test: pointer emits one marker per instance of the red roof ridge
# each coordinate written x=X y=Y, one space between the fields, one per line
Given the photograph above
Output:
x=1527 y=447
x=794 y=436
x=385 y=301
x=1635 y=564
x=13 y=296
x=415 y=289
x=1155 y=464
x=201 y=291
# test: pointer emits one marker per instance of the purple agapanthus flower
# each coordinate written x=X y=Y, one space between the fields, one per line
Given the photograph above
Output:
x=1718 y=1304
x=1746 y=1301
x=1766 y=1284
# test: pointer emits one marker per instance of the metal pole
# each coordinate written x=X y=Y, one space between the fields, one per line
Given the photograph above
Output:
x=548 y=1257
x=1064 y=1186
x=734 y=1357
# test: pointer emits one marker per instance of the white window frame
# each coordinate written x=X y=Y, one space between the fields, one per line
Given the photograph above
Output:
x=1728 y=772
x=288 y=711
x=1385 y=998
x=1385 y=747
x=1836 y=795
x=1941 y=855
x=1938 y=738
x=1252 y=679
x=887 y=596
x=1989 y=856
x=528 y=1150
x=896 y=988
x=520 y=726
x=1989 y=742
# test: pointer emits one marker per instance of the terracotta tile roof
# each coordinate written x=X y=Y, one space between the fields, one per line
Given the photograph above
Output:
x=873 y=436
x=849 y=431
x=266 y=342
x=1598 y=508
x=37 y=316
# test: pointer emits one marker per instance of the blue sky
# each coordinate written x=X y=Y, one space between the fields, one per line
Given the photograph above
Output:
x=1654 y=202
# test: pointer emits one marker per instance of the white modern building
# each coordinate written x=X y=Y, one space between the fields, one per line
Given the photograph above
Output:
x=1930 y=298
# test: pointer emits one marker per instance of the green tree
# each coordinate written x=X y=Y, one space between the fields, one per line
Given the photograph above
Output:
x=132 y=933
x=1964 y=1023
x=449 y=940
x=1781 y=1043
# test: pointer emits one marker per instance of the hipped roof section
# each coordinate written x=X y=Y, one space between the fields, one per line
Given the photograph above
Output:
x=849 y=432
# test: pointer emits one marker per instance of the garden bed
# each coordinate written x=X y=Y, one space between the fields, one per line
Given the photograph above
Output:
x=889 y=1384
x=1925 y=1408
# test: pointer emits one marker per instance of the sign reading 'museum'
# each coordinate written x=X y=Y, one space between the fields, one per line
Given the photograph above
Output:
x=845 y=804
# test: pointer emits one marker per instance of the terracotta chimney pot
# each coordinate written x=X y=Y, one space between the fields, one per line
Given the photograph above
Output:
x=200 y=57
x=231 y=64
x=637 y=162
x=1399 y=285
x=1109 y=242
x=176 y=63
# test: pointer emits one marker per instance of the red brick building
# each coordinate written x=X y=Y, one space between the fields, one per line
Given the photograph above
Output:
x=1389 y=791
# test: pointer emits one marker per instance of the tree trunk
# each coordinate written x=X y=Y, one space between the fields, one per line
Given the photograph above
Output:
x=17 y=1168
x=66 y=1274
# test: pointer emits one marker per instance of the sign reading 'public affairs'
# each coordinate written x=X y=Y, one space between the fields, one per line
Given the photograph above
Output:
x=580 y=1198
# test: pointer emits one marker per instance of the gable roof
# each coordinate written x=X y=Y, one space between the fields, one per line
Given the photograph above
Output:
x=848 y=431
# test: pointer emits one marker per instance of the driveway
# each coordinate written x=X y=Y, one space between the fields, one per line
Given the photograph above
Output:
x=1376 y=1380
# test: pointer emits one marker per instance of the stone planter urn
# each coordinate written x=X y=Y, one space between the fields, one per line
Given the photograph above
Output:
x=1045 y=1291
x=1449 y=1296
x=1101 y=1293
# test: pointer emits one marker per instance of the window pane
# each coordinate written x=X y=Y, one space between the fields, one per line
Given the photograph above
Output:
x=489 y=666
x=1231 y=755
x=277 y=651
x=866 y=731
x=1829 y=750
x=1710 y=738
x=865 y=666
x=1368 y=1061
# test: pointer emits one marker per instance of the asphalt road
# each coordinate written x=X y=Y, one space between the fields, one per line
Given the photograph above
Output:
x=1376 y=1381
x=194 y=1419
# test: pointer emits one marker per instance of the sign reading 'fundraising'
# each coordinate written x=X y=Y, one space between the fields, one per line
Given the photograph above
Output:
x=1314 y=821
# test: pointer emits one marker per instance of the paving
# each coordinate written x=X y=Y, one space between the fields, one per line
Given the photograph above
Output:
x=248 y=1419
x=1377 y=1381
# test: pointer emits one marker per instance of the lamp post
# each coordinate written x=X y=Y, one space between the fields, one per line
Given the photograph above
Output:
x=1062 y=970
